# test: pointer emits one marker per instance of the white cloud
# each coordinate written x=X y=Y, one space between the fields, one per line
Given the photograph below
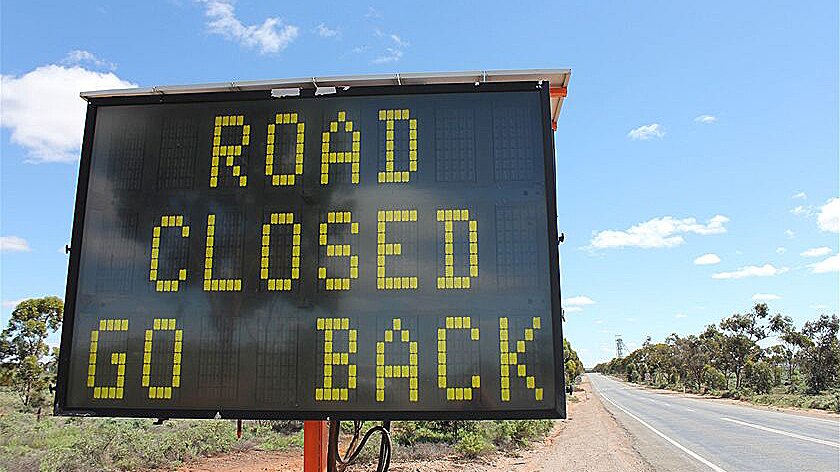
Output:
x=44 y=112
x=658 y=232
x=78 y=57
x=645 y=132
x=816 y=252
x=831 y=264
x=12 y=303
x=392 y=53
x=829 y=216
x=767 y=270
x=680 y=315
x=819 y=307
x=398 y=41
x=572 y=309
x=705 y=119
x=270 y=37
x=13 y=244
x=781 y=250
x=790 y=234
x=373 y=13
x=765 y=297
x=326 y=32
x=707 y=259
x=799 y=196
x=802 y=210
x=578 y=301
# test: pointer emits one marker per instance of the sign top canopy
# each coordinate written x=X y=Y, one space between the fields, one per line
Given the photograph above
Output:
x=557 y=78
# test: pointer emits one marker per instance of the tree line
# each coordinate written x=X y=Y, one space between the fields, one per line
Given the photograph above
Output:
x=728 y=357
x=27 y=364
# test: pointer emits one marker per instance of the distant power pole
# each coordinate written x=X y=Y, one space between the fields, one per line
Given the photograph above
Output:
x=619 y=346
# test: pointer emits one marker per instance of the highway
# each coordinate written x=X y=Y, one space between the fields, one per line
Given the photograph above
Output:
x=673 y=432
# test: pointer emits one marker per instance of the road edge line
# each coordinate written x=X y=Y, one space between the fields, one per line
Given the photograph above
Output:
x=712 y=400
x=663 y=436
x=783 y=432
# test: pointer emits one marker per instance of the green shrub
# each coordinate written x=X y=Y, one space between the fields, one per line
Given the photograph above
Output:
x=825 y=401
x=412 y=432
x=472 y=444
x=660 y=380
x=714 y=378
x=281 y=442
x=517 y=432
x=103 y=444
x=759 y=376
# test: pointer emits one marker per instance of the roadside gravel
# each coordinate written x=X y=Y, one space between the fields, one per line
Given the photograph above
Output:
x=589 y=440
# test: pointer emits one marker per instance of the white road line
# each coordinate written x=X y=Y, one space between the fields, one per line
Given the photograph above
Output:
x=678 y=445
x=712 y=402
x=785 y=433
x=802 y=417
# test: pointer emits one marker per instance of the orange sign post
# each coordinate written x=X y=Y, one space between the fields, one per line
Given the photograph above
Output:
x=315 y=442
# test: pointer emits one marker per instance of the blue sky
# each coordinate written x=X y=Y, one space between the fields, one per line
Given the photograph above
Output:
x=704 y=129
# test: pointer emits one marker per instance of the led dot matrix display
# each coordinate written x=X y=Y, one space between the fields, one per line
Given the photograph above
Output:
x=377 y=255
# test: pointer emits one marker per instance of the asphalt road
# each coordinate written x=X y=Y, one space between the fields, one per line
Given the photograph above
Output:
x=686 y=434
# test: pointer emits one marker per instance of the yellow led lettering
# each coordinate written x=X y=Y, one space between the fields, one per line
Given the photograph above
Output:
x=280 y=219
x=228 y=152
x=387 y=371
x=384 y=248
x=455 y=393
x=162 y=392
x=510 y=358
x=332 y=357
x=449 y=280
x=284 y=119
x=211 y=284
x=166 y=285
x=351 y=156
x=338 y=250
x=117 y=359
x=391 y=174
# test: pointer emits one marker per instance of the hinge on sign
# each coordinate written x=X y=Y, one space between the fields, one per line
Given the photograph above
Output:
x=285 y=92
x=324 y=90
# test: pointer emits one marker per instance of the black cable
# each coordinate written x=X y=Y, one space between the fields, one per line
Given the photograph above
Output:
x=385 y=448
x=384 y=459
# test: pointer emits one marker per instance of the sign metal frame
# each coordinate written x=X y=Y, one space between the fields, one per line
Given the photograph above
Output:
x=95 y=102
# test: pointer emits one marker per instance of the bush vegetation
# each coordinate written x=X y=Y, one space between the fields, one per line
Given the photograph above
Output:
x=103 y=444
x=801 y=370
x=31 y=439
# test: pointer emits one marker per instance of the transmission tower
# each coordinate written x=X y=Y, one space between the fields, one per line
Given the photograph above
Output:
x=619 y=346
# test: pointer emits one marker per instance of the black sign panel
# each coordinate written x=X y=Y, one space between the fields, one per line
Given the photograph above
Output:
x=385 y=254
